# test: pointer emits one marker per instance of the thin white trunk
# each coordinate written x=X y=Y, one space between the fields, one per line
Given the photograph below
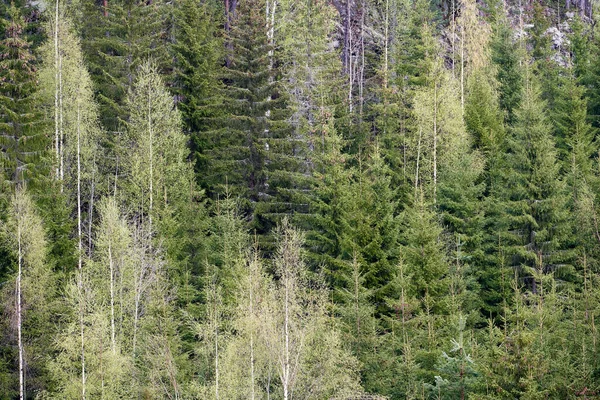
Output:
x=80 y=261
x=79 y=231
x=349 y=51
x=56 y=124
x=435 y=139
x=418 y=159
x=286 y=365
x=150 y=138
x=62 y=134
x=252 y=395
x=462 y=70
x=19 y=316
x=362 y=61
x=112 y=300
x=385 y=49
x=216 y=358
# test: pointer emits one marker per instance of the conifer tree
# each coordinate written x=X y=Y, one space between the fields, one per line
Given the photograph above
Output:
x=251 y=148
x=507 y=60
x=117 y=37
x=198 y=52
x=68 y=97
x=371 y=227
x=532 y=194
x=22 y=142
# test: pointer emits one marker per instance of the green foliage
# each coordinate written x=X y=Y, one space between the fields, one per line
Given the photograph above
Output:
x=419 y=221
x=198 y=52
x=116 y=40
x=509 y=75
x=22 y=141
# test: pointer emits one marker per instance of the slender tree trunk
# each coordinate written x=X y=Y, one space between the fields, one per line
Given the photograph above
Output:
x=462 y=70
x=151 y=156
x=80 y=261
x=362 y=61
x=346 y=56
x=435 y=140
x=216 y=359
x=61 y=116
x=112 y=299
x=348 y=53
x=56 y=89
x=286 y=365
x=252 y=319
x=19 y=305
x=418 y=159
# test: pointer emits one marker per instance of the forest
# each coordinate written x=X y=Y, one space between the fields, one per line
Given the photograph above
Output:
x=299 y=199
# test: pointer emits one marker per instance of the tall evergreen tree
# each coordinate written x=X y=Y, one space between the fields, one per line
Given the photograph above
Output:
x=117 y=37
x=532 y=199
x=198 y=53
x=507 y=60
x=251 y=148
x=22 y=142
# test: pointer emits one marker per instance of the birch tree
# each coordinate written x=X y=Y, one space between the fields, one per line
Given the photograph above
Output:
x=299 y=338
x=158 y=184
x=33 y=284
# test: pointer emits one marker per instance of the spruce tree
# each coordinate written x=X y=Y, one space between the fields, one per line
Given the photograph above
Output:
x=22 y=141
x=251 y=148
x=535 y=205
x=117 y=37
x=507 y=60
x=198 y=54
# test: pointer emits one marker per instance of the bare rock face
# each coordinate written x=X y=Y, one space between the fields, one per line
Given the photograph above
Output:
x=558 y=36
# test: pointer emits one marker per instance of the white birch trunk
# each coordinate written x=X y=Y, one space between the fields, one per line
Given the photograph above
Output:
x=80 y=261
x=418 y=159
x=435 y=139
x=252 y=315
x=19 y=316
x=112 y=299
x=62 y=135
x=56 y=125
x=286 y=365
x=151 y=156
